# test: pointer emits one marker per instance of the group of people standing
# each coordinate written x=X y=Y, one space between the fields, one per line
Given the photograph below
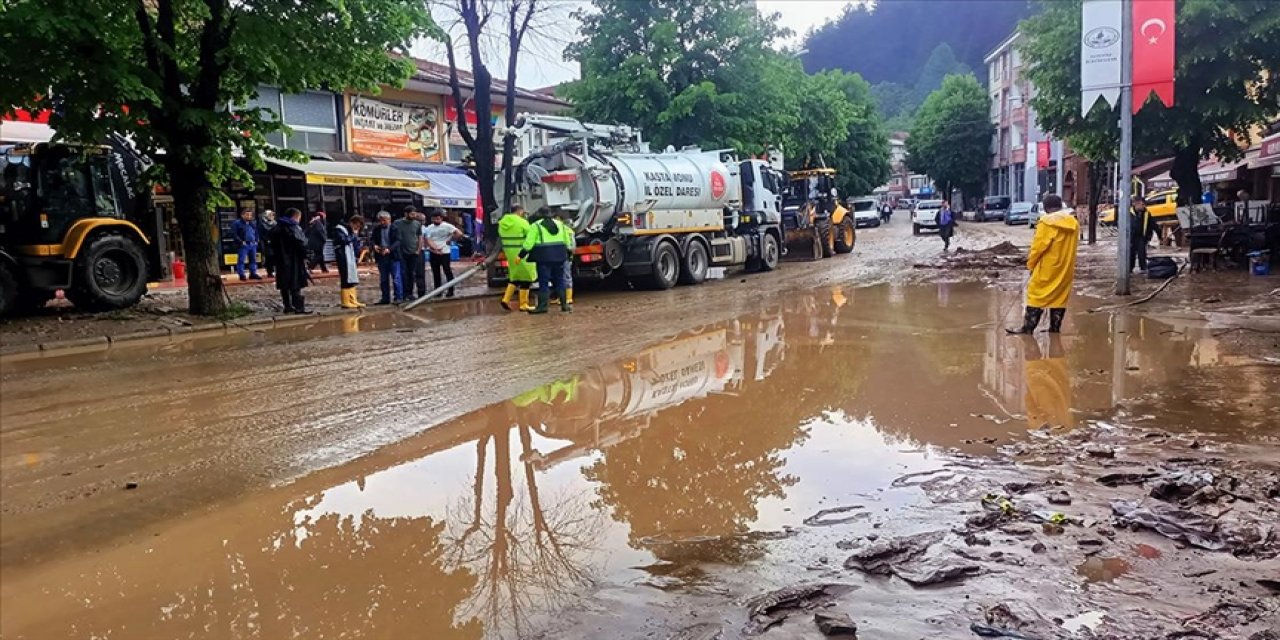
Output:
x=540 y=249
x=293 y=253
x=402 y=250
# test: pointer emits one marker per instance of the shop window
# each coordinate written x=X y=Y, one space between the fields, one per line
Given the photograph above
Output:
x=312 y=117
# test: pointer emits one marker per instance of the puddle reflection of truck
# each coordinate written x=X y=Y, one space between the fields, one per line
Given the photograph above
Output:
x=613 y=403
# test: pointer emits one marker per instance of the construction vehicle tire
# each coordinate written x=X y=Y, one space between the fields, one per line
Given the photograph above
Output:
x=110 y=273
x=8 y=290
x=824 y=234
x=846 y=235
x=696 y=263
x=770 y=254
x=664 y=271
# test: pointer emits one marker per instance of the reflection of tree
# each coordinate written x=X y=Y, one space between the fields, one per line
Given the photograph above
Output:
x=529 y=553
x=335 y=577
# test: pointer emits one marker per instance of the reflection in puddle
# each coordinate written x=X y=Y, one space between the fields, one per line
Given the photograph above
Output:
x=701 y=449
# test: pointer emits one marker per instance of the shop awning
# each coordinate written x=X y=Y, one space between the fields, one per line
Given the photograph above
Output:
x=451 y=187
x=14 y=131
x=1220 y=171
x=355 y=174
x=1268 y=153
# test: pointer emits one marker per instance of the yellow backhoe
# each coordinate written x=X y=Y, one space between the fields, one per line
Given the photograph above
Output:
x=815 y=223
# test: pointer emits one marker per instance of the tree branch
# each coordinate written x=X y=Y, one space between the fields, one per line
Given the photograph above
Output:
x=215 y=38
x=165 y=29
x=455 y=88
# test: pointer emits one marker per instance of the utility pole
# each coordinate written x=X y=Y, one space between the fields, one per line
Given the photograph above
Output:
x=1126 y=147
x=1059 y=174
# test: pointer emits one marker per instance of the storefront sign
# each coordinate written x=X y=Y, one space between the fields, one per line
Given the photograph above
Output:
x=384 y=130
x=451 y=116
x=1270 y=148
x=380 y=183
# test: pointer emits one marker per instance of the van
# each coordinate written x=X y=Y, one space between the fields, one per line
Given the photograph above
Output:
x=993 y=208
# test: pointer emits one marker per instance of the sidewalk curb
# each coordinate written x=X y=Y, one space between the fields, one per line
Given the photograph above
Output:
x=192 y=331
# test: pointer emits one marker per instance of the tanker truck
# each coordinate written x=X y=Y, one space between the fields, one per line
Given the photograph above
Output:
x=654 y=219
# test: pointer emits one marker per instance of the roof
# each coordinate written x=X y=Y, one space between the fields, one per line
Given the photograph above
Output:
x=436 y=73
x=1004 y=44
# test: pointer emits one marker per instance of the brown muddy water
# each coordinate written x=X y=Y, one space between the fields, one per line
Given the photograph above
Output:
x=693 y=466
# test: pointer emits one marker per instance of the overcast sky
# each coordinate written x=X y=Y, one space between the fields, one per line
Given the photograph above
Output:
x=542 y=63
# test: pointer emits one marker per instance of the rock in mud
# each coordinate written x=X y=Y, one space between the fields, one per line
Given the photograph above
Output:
x=880 y=557
x=1266 y=634
x=702 y=631
x=1120 y=479
x=935 y=570
x=1172 y=523
x=835 y=625
x=1060 y=498
x=772 y=608
x=1100 y=451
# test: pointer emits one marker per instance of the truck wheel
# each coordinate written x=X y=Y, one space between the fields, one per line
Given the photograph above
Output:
x=665 y=268
x=695 y=264
x=824 y=235
x=915 y=229
x=110 y=273
x=8 y=290
x=846 y=236
x=769 y=253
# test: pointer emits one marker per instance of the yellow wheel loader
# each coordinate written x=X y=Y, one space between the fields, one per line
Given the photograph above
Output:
x=816 y=225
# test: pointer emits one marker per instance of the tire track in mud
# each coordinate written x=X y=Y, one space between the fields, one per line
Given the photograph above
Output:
x=196 y=426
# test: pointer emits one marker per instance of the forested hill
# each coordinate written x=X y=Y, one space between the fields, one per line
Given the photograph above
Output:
x=898 y=45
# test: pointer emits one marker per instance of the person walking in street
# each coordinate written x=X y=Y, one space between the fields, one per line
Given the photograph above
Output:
x=1140 y=231
x=946 y=224
x=408 y=232
x=346 y=246
x=386 y=252
x=317 y=234
x=546 y=245
x=438 y=238
x=1052 y=262
x=512 y=230
x=266 y=224
x=245 y=232
x=290 y=245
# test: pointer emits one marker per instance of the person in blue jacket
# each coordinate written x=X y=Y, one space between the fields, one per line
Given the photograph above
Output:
x=245 y=232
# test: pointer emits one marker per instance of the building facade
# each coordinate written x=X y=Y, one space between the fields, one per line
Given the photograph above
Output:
x=1024 y=162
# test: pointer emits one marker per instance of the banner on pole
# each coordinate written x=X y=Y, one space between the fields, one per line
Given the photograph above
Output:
x=1100 y=52
x=1042 y=154
x=1153 y=51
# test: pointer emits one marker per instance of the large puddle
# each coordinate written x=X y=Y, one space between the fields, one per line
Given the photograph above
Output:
x=701 y=451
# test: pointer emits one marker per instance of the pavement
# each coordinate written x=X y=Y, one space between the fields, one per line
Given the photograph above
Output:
x=642 y=466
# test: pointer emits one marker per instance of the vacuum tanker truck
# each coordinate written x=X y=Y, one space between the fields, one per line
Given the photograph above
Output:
x=655 y=219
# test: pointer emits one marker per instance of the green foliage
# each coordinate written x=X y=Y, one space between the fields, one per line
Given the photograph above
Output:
x=951 y=138
x=703 y=74
x=1224 y=49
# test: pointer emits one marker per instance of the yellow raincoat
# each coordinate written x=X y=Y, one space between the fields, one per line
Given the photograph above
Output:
x=1052 y=260
x=1048 y=399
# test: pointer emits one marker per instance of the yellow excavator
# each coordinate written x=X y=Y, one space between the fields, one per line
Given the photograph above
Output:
x=815 y=223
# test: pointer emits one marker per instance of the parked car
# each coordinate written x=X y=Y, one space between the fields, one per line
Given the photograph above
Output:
x=866 y=211
x=1019 y=213
x=906 y=203
x=993 y=208
x=924 y=215
x=1160 y=204
x=1036 y=212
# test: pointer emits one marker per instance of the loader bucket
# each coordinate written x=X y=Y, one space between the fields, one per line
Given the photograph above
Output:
x=803 y=244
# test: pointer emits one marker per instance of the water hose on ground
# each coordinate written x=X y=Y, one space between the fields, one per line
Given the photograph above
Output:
x=459 y=278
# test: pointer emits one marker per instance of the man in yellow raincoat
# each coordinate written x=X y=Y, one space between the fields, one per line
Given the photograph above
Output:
x=512 y=229
x=1052 y=262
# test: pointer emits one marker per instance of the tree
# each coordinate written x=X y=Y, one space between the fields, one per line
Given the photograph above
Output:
x=173 y=76
x=862 y=156
x=475 y=18
x=686 y=73
x=942 y=62
x=951 y=137
x=1225 y=84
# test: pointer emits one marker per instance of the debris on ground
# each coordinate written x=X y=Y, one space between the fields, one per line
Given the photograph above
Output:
x=835 y=625
x=772 y=608
x=1060 y=498
x=1172 y=523
x=1120 y=479
x=1100 y=451
x=1191 y=487
x=935 y=570
x=701 y=631
x=822 y=519
x=905 y=558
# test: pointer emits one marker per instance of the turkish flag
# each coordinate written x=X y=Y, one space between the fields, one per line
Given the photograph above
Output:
x=1153 y=38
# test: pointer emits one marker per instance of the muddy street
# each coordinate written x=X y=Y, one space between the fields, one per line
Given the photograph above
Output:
x=653 y=464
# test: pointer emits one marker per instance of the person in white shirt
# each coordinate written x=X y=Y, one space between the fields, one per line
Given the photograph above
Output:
x=437 y=239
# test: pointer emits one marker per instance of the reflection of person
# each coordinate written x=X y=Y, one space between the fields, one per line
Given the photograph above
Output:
x=346 y=246
x=512 y=229
x=1048 y=385
x=290 y=246
x=1052 y=262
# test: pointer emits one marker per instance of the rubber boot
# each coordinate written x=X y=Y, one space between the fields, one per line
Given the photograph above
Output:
x=1030 y=319
x=300 y=303
x=568 y=294
x=544 y=297
x=287 y=300
x=355 y=298
x=565 y=306
x=1055 y=320
x=524 y=300
x=347 y=299
x=507 y=295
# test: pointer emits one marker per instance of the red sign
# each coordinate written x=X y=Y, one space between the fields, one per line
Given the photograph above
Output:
x=22 y=115
x=1270 y=147
x=1042 y=154
x=1153 y=40
x=451 y=111
x=717 y=185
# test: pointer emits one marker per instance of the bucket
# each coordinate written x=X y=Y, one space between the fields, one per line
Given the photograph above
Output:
x=454 y=253
x=179 y=270
x=1260 y=263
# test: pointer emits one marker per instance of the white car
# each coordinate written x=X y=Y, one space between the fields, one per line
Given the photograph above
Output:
x=925 y=215
x=866 y=212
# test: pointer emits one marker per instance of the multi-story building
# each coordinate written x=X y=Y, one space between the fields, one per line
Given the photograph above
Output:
x=1022 y=165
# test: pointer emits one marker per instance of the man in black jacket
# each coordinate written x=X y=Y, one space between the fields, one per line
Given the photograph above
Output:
x=386 y=252
x=290 y=245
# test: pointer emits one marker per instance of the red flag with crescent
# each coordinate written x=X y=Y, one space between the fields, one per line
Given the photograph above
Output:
x=1153 y=48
